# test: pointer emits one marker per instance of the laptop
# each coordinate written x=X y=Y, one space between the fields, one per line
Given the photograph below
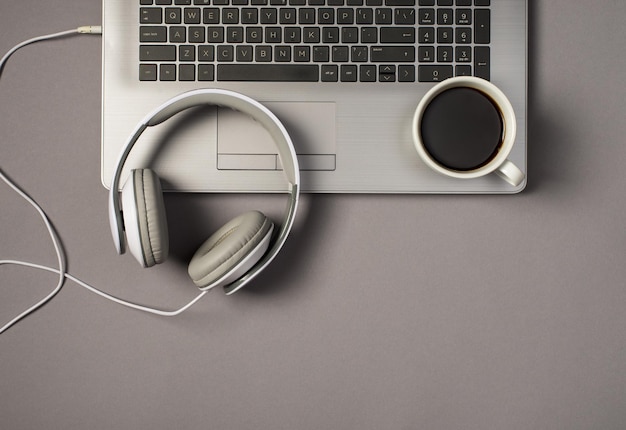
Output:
x=344 y=77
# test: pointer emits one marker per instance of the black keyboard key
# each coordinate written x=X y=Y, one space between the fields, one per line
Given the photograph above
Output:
x=348 y=73
x=326 y=16
x=345 y=16
x=358 y=54
x=349 y=35
x=463 y=17
x=187 y=53
x=244 y=53
x=397 y=35
x=426 y=16
x=463 y=70
x=426 y=54
x=151 y=15
x=340 y=54
x=383 y=16
x=157 y=53
x=404 y=16
x=399 y=2
x=369 y=35
x=406 y=73
x=268 y=72
x=187 y=72
x=426 y=35
x=173 y=15
x=192 y=15
x=210 y=15
x=152 y=34
x=178 y=34
x=463 y=54
x=482 y=26
x=445 y=54
x=306 y=16
x=321 y=54
x=387 y=73
x=167 y=72
x=147 y=72
x=330 y=73
x=364 y=16
x=206 y=53
x=367 y=73
x=230 y=16
x=463 y=35
x=206 y=72
x=482 y=68
x=392 y=54
x=445 y=16
x=434 y=73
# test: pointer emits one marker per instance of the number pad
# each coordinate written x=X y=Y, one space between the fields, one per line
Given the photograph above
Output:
x=453 y=39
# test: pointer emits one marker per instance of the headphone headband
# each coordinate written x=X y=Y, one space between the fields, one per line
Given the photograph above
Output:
x=238 y=102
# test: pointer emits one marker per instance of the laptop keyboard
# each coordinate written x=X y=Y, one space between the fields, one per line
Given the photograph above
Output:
x=395 y=41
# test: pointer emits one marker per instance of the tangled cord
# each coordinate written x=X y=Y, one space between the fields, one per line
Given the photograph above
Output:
x=58 y=246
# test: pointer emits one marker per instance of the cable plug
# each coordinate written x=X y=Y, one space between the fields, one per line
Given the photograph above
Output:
x=90 y=29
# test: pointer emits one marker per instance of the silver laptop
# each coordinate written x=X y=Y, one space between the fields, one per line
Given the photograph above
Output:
x=344 y=76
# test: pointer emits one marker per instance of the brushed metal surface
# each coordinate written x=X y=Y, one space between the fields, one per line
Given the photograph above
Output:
x=374 y=148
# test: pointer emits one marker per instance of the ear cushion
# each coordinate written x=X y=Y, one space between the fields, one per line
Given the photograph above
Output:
x=151 y=218
x=228 y=247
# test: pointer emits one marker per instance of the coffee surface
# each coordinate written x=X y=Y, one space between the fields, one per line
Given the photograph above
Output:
x=462 y=129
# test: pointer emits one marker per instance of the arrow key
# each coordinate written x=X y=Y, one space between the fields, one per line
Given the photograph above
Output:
x=367 y=73
x=387 y=73
x=406 y=73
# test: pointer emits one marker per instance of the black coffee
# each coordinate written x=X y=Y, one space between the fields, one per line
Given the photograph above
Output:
x=462 y=129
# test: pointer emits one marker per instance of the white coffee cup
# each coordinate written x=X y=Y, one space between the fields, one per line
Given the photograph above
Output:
x=497 y=161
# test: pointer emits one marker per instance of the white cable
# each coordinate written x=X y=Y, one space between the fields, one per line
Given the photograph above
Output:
x=58 y=247
x=62 y=270
x=107 y=295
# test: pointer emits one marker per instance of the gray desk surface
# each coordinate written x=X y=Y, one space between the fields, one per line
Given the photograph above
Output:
x=395 y=312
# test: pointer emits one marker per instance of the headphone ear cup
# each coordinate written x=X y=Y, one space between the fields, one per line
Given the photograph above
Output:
x=231 y=251
x=144 y=218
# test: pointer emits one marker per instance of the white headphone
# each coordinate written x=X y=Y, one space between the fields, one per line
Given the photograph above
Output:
x=230 y=258
x=238 y=251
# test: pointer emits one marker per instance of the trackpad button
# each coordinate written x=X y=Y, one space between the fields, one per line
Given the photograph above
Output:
x=243 y=144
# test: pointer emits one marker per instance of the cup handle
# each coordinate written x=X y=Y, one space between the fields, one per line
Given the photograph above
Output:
x=510 y=173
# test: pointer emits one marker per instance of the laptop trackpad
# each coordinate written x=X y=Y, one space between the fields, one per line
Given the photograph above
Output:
x=243 y=144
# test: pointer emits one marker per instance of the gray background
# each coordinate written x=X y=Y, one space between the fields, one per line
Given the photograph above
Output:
x=396 y=312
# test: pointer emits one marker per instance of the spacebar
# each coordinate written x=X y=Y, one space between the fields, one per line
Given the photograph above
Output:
x=268 y=72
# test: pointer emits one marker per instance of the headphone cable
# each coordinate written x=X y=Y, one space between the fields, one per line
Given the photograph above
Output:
x=58 y=246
